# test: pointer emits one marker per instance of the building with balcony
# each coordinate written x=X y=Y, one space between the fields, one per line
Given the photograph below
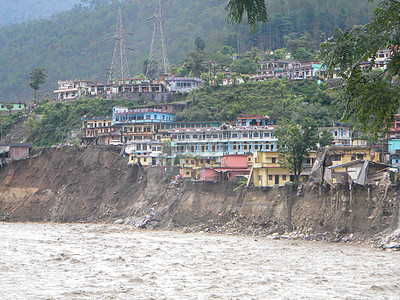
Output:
x=98 y=131
x=145 y=152
x=223 y=140
x=341 y=136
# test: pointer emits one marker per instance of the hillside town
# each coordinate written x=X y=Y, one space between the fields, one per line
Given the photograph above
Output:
x=245 y=150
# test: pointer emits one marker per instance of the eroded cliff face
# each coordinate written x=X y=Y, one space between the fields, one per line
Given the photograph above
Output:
x=97 y=185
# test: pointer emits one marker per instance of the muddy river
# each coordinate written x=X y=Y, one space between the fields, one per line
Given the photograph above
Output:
x=51 y=261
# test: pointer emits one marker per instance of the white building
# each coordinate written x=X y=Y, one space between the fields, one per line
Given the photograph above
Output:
x=183 y=84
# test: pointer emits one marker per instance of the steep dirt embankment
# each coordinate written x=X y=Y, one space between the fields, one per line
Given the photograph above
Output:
x=97 y=185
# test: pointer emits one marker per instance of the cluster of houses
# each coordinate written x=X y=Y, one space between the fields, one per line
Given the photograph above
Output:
x=225 y=151
x=267 y=69
x=74 y=89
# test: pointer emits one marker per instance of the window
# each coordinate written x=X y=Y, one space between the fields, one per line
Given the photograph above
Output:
x=215 y=136
x=187 y=173
x=195 y=136
x=234 y=135
x=283 y=177
x=187 y=161
x=260 y=178
x=144 y=159
x=360 y=156
x=269 y=177
x=274 y=160
x=245 y=135
x=336 y=157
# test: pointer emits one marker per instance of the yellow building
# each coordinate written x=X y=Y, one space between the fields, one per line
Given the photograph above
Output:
x=343 y=154
x=146 y=160
x=267 y=171
x=191 y=166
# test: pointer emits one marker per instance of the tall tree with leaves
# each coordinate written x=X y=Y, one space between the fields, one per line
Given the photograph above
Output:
x=37 y=78
x=255 y=10
x=295 y=143
x=370 y=97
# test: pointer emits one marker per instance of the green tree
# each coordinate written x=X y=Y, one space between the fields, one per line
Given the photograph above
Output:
x=280 y=53
x=37 y=78
x=255 y=10
x=166 y=148
x=302 y=54
x=234 y=78
x=219 y=78
x=295 y=143
x=200 y=44
x=370 y=97
x=325 y=138
x=244 y=66
x=9 y=107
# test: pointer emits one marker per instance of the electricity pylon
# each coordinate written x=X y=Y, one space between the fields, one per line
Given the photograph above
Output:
x=158 y=60
x=119 y=65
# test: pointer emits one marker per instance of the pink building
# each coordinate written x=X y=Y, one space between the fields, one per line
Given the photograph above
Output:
x=208 y=174
x=234 y=161
x=231 y=166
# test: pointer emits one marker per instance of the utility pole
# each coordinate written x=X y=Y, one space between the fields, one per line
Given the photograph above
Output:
x=158 y=59
x=119 y=64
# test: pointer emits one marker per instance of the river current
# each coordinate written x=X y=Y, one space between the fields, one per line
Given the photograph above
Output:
x=79 y=261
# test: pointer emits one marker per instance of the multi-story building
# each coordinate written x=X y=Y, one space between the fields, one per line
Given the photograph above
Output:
x=343 y=154
x=394 y=131
x=149 y=115
x=190 y=166
x=99 y=131
x=223 y=140
x=145 y=152
x=267 y=170
x=341 y=136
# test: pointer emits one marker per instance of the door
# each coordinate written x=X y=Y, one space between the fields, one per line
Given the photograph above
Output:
x=276 y=179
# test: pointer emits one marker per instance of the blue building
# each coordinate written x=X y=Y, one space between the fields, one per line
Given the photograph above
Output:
x=394 y=151
x=123 y=115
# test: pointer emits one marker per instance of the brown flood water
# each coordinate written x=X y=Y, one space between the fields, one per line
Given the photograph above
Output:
x=75 y=261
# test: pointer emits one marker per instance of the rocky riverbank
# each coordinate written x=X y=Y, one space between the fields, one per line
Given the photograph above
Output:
x=95 y=185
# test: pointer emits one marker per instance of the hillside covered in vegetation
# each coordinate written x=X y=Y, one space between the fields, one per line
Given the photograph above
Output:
x=282 y=100
x=74 y=45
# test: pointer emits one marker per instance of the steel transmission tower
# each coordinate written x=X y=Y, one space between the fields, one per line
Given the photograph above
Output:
x=158 y=60
x=119 y=65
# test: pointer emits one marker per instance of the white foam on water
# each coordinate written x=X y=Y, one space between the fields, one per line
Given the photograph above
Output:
x=64 y=261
